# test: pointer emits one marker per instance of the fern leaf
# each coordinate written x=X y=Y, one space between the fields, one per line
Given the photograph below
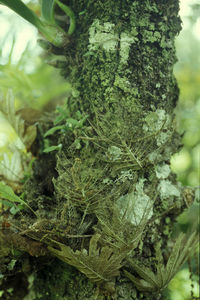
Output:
x=182 y=250
x=188 y=246
x=160 y=267
x=144 y=272
x=139 y=283
x=171 y=266
x=98 y=264
x=149 y=281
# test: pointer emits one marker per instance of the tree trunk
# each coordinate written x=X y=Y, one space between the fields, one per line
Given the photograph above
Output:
x=112 y=206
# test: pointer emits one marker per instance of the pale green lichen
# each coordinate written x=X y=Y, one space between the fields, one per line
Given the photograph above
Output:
x=135 y=205
x=154 y=156
x=167 y=189
x=114 y=153
x=125 y=43
x=105 y=36
x=124 y=176
x=162 y=171
x=102 y=36
x=155 y=121
x=158 y=121
x=162 y=138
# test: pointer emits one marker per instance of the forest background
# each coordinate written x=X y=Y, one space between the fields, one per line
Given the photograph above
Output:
x=36 y=84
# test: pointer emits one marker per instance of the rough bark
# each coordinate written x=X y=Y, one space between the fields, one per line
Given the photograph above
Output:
x=113 y=192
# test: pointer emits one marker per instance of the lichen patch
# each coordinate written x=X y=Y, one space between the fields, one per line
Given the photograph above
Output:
x=136 y=205
x=162 y=171
x=167 y=189
x=102 y=36
x=125 y=43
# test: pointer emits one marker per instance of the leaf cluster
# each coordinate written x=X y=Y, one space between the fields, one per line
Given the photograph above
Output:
x=64 y=123
x=69 y=123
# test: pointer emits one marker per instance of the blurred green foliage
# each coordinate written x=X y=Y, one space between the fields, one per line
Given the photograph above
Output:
x=36 y=88
x=34 y=83
x=187 y=71
x=180 y=287
x=186 y=163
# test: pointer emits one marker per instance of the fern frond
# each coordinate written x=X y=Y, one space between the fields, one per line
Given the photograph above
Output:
x=183 y=248
x=146 y=275
x=98 y=264
x=150 y=281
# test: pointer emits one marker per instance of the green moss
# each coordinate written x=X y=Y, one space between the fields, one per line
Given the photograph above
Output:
x=122 y=83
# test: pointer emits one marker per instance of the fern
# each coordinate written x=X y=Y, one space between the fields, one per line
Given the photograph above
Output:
x=129 y=235
x=153 y=282
x=98 y=264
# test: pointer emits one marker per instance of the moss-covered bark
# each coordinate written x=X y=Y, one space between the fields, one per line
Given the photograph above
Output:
x=114 y=196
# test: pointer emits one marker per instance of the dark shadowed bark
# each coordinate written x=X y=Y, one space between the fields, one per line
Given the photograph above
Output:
x=106 y=203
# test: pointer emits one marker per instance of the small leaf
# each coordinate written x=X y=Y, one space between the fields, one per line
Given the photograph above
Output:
x=52 y=148
x=82 y=12
x=72 y=122
x=53 y=129
x=14 y=210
